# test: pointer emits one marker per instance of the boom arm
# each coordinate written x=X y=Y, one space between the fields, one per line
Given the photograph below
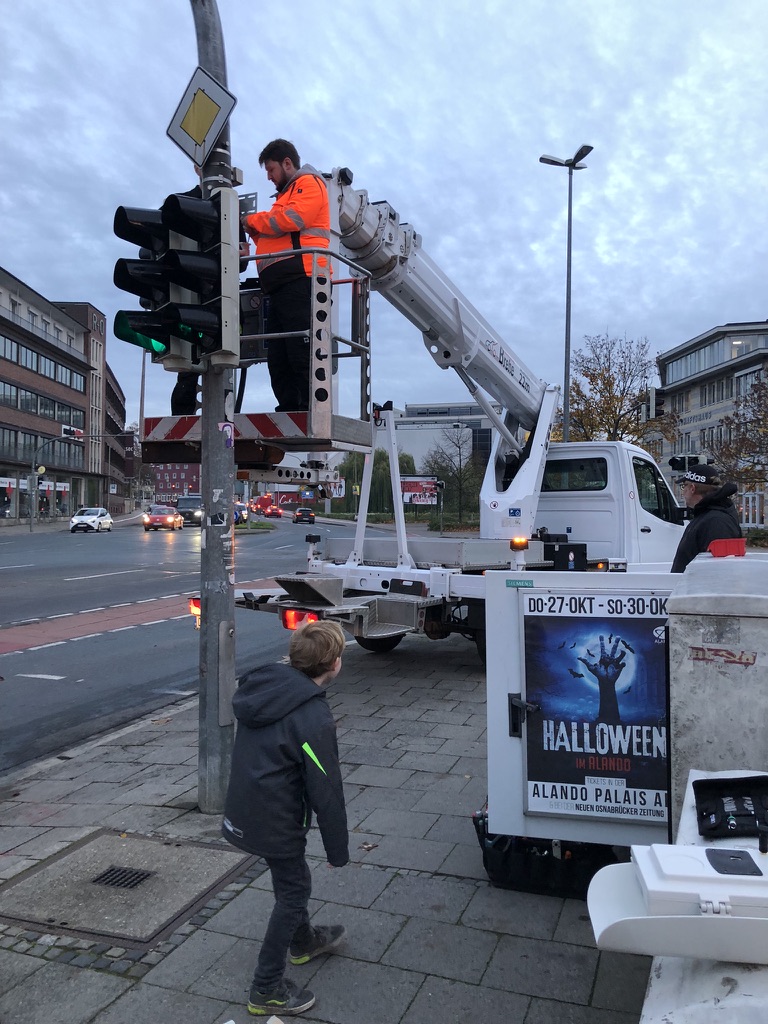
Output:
x=455 y=333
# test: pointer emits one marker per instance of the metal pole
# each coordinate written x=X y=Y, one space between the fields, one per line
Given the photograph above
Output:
x=217 y=621
x=567 y=373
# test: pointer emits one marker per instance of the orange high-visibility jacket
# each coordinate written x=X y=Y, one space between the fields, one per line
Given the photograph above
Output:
x=300 y=218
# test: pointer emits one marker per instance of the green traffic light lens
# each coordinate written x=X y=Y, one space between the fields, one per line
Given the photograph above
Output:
x=123 y=330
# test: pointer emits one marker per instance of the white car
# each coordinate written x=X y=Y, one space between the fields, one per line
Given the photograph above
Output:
x=88 y=519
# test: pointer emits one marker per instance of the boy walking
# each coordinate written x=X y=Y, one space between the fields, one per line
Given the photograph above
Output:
x=285 y=764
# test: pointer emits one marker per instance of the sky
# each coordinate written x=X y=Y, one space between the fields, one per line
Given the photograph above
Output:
x=443 y=110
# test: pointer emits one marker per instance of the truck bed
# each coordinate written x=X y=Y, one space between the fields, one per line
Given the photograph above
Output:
x=469 y=555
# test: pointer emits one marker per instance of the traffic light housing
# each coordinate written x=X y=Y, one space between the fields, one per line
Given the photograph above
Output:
x=657 y=403
x=187 y=279
x=684 y=462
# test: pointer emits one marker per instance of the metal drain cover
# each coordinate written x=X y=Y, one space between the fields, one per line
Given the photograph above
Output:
x=145 y=887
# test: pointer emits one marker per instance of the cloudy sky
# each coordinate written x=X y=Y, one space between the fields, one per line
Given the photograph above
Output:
x=441 y=108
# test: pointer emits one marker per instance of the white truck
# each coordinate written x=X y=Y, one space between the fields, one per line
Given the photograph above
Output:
x=572 y=506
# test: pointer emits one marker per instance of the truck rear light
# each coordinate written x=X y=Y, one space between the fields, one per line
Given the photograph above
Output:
x=292 y=618
x=518 y=543
x=194 y=609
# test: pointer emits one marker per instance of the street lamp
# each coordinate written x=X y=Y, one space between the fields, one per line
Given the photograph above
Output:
x=574 y=164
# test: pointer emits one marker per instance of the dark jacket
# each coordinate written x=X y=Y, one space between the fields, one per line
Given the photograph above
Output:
x=714 y=518
x=285 y=764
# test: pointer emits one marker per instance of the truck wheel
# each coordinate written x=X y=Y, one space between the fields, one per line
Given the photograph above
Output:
x=381 y=644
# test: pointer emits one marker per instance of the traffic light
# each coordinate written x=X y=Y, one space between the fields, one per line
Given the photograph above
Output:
x=187 y=278
x=683 y=462
x=657 y=403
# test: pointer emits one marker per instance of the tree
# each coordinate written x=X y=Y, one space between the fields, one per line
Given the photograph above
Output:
x=743 y=451
x=351 y=469
x=451 y=459
x=609 y=389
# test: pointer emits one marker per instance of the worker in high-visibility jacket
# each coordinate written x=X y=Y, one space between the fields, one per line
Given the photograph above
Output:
x=300 y=218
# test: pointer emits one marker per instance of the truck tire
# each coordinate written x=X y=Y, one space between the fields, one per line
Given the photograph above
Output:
x=381 y=644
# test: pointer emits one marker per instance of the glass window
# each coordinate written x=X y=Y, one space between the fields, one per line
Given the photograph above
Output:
x=590 y=474
x=78 y=381
x=57 y=332
x=46 y=325
x=8 y=349
x=8 y=394
x=46 y=367
x=32 y=317
x=653 y=494
x=78 y=419
x=63 y=413
x=70 y=339
x=63 y=375
x=27 y=400
x=27 y=358
x=46 y=407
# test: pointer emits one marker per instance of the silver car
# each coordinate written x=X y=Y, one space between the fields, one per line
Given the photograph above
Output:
x=87 y=519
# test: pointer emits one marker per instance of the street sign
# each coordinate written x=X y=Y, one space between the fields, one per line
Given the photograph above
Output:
x=74 y=433
x=201 y=116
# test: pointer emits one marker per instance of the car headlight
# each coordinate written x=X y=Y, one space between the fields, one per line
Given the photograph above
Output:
x=198 y=514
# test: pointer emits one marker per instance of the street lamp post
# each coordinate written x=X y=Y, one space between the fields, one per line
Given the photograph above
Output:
x=574 y=164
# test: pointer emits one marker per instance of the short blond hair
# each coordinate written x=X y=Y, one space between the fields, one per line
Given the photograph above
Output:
x=315 y=647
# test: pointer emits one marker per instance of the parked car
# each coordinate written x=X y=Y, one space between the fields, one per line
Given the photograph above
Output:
x=273 y=512
x=87 y=519
x=191 y=508
x=162 y=517
x=303 y=515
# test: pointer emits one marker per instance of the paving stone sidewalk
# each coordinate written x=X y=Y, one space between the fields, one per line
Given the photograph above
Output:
x=430 y=941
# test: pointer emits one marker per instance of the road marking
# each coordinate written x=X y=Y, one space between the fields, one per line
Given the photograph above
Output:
x=29 y=675
x=98 y=576
x=42 y=647
x=285 y=547
x=62 y=615
x=121 y=629
x=86 y=636
x=85 y=611
x=27 y=565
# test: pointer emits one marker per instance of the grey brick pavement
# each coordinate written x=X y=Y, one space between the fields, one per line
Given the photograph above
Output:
x=429 y=940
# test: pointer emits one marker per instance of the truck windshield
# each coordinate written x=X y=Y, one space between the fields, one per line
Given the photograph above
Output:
x=189 y=502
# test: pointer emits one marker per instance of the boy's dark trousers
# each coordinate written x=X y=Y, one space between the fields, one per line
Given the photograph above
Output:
x=289 y=921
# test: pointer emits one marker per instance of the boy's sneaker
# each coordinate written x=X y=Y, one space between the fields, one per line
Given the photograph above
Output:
x=287 y=999
x=325 y=939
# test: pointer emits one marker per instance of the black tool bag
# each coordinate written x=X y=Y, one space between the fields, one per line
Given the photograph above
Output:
x=728 y=807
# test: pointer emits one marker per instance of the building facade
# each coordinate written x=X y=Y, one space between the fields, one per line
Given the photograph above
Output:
x=701 y=381
x=52 y=399
x=175 y=478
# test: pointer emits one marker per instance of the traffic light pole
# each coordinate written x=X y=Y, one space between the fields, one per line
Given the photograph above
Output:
x=217 y=621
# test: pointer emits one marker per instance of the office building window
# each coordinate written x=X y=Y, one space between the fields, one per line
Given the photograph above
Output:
x=27 y=401
x=78 y=419
x=78 y=381
x=63 y=375
x=46 y=407
x=8 y=395
x=32 y=317
x=46 y=367
x=8 y=349
x=27 y=358
x=63 y=413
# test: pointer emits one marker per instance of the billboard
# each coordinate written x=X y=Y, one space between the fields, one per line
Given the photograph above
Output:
x=419 y=490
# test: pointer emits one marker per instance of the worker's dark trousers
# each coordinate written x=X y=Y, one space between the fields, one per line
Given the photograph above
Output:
x=290 y=308
x=289 y=921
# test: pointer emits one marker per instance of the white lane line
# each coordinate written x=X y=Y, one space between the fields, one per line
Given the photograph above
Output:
x=85 y=611
x=42 y=647
x=101 y=575
x=154 y=622
x=27 y=565
x=284 y=547
x=121 y=629
x=29 y=675
x=62 y=615
x=86 y=636
x=146 y=600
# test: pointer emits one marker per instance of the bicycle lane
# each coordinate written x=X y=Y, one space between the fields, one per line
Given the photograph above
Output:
x=59 y=629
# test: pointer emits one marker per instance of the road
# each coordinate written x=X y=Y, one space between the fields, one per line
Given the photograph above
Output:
x=96 y=631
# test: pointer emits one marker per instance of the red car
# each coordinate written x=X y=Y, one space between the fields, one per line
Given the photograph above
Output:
x=162 y=517
x=273 y=512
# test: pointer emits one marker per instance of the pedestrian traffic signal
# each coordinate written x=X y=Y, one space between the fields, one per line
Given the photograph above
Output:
x=187 y=279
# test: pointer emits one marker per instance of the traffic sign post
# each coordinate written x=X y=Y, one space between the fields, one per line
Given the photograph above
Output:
x=217 y=621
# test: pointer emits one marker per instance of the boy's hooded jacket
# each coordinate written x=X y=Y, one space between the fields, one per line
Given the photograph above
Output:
x=285 y=764
x=714 y=518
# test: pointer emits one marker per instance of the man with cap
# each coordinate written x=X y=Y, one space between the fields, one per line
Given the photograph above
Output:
x=714 y=515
